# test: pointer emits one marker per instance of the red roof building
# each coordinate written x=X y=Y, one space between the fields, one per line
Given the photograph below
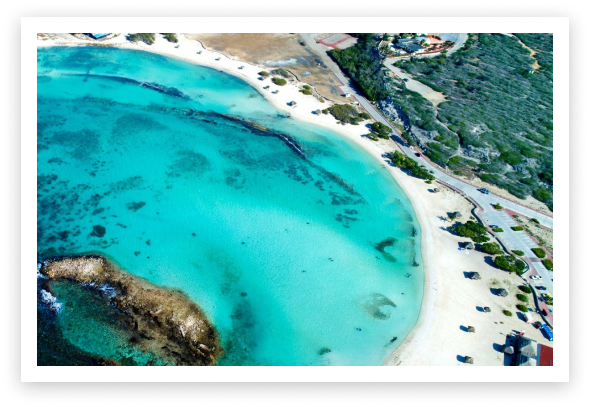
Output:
x=545 y=356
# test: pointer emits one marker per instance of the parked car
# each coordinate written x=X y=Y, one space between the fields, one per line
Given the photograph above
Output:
x=418 y=155
x=535 y=277
x=406 y=79
x=484 y=191
x=540 y=287
x=537 y=324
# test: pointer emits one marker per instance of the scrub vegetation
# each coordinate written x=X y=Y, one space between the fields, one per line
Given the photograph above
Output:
x=404 y=162
x=497 y=121
x=145 y=37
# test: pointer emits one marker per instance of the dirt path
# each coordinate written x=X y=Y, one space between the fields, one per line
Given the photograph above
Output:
x=535 y=64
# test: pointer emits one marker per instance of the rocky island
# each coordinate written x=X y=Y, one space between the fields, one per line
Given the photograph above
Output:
x=162 y=321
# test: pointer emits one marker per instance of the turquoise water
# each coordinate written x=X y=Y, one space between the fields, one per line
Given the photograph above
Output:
x=309 y=259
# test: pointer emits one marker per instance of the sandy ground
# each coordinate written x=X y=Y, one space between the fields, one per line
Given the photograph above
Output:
x=276 y=51
x=427 y=93
x=450 y=299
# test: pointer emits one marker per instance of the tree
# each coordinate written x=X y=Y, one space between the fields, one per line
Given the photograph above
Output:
x=279 y=81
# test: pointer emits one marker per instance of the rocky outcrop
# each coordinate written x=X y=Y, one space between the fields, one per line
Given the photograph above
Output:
x=163 y=320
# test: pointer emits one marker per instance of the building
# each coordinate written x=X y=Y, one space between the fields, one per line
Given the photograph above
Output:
x=425 y=39
x=98 y=36
x=413 y=48
x=531 y=353
x=545 y=357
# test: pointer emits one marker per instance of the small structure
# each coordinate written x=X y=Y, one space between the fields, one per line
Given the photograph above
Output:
x=469 y=359
x=98 y=36
x=503 y=293
x=487 y=309
x=318 y=112
x=470 y=329
x=509 y=350
x=475 y=275
x=456 y=214
x=292 y=103
x=469 y=245
x=435 y=190
x=241 y=67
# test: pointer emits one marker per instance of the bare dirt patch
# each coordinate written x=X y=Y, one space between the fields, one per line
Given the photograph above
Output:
x=276 y=51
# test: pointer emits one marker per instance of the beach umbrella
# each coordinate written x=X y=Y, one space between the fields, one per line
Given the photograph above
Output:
x=470 y=329
x=503 y=293
x=469 y=359
x=475 y=275
x=487 y=309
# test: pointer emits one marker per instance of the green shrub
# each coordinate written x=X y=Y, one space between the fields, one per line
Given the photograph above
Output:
x=518 y=252
x=525 y=289
x=522 y=297
x=280 y=71
x=402 y=161
x=381 y=129
x=491 y=248
x=279 y=81
x=264 y=74
x=540 y=253
x=497 y=206
x=535 y=220
x=170 y=37
x=478 y=233
x=507 y=313
x=522 y=308
x=306 y=91
x=548 y=264
x=498 y=230
x=145 y=37
x=510 y=264
x=516 y=228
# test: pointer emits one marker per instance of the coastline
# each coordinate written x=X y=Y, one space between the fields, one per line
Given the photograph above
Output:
x=438 y=303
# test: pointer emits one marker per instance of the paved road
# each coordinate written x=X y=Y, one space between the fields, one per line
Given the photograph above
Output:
x=514 y=240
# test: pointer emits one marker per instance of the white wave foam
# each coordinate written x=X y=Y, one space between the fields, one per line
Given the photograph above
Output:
x=50 y=300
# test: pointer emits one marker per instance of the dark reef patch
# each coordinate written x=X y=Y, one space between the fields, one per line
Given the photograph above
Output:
x=98 y=231
x=377 y=306
x=383 y=245
x=135 y=206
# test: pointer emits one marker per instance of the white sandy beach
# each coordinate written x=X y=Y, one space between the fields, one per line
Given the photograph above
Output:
x=450 y=299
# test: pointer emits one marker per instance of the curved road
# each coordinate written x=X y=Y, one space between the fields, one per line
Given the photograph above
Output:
x=513 y=240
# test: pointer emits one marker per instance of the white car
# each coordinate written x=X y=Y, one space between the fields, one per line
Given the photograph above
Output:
x=535 y=277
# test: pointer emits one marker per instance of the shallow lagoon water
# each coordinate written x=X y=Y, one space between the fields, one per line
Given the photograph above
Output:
x=296 y=259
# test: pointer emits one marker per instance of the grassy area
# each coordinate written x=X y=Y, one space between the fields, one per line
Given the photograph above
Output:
x=498 y=230
x=518 y=252
x=540 y=253
x=516 y=228
x=548 y=264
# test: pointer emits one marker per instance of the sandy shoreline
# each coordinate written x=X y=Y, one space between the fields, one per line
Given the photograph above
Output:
x=450 y=299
